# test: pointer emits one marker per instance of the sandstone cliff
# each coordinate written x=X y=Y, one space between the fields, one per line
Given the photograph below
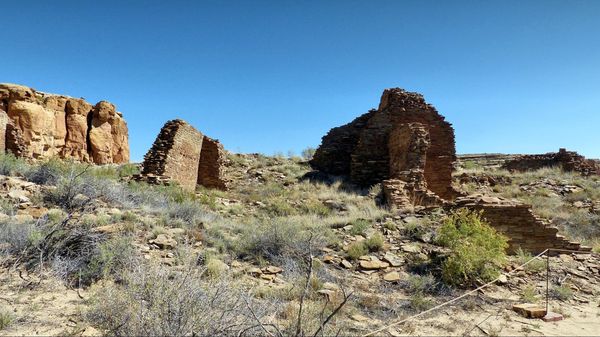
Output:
x=36 y=125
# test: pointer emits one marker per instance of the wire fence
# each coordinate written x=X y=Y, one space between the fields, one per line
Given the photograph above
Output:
x=546 y=253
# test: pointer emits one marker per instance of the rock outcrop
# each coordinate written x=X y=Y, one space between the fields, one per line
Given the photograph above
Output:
x=568 y=160
x=181 y=154
x=41 y=125
x=405 y=143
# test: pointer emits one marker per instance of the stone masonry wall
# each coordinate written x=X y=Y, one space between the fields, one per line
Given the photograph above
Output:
x=211 y=165
x=60 y=126
x=174 y=156
x=519 y=224
x=408 y=145
x=183 y=155
x=569 y=161
x=361 y=150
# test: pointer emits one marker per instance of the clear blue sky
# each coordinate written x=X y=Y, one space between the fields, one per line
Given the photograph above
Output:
x=268 y=76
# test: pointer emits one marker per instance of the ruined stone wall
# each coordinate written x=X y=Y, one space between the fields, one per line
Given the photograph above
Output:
x=361 y=148
x=175 y=155
x=183 y=155
x=408 y=147
x=569 y=161
x=335 y=153
x=211 y=165
x=519 y=224
x=61 y=126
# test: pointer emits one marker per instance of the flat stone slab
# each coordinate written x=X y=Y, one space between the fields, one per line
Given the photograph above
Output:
x=552 y=317
x=529 y=310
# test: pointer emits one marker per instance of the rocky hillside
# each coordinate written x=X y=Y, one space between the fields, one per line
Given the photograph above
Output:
x=126 y=258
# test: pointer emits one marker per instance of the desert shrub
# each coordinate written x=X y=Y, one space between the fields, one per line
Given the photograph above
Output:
x=477 y=251
x=419 y=302
x=562 y=293
x=189 y=212
x=47 y=172
x=156 y=302
x=16 y=237
x=11 y=165
x=73 y=191
x=128 y=170
x=6 y=318
x=529 y=294
x=279 y=238
x=535 y=266
x=356 y=250
x=359 y=226
x=108 y=259
x=7 y=207
x=375 y=242
x=74 y=253
x=420 y=284
x=308 y=153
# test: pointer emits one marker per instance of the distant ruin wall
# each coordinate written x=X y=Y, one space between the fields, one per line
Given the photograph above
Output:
x=175 y=154
x=361 y=149
x=60 y=126
x=568 y=160
x=181 y=154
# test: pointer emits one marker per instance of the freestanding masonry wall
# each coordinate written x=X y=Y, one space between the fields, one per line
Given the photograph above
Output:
x=183 y=155
x=175 y=154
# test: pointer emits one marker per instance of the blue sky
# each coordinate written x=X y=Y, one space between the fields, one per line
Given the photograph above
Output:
x=269 y=76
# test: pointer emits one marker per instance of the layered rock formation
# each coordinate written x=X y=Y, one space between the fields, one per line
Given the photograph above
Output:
x=404 y=140
x=183 y=155
x=519 y=224
x=41 y=125
x=568 y=160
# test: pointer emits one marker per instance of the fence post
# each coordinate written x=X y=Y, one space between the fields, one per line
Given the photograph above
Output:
x=547 y=281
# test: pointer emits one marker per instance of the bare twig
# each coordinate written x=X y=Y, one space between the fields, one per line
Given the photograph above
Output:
x=256 y=319
x=333 y=313
x=309 y=271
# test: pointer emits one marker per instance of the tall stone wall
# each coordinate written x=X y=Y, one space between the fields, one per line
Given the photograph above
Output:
x=181 y=154
x=568 y=160
x=361 y=149
x=408 y=147
x=211 y=165
x=60 y=126
x=519 y=224
x=175 y=154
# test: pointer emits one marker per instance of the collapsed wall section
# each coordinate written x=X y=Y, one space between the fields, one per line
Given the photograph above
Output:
x=569 y=161
x=517 y=221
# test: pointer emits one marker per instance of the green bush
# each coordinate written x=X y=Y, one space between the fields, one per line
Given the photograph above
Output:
x=374 y=243
x=356 y=250
x=477 y=251
x=11 y=165
x=6 y=318
x=359 y=226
